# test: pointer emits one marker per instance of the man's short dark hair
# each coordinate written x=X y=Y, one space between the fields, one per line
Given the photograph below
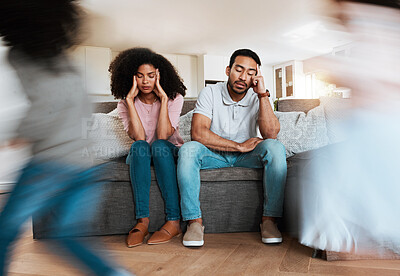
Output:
x=246 y=53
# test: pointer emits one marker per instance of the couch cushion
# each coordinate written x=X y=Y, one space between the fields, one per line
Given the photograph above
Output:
x=303 y=105
x=105 y=107
x=188 y=105
x=301 y=158
x=109 y=139
x=185 y=125
x=117 y=170
x=301 y=132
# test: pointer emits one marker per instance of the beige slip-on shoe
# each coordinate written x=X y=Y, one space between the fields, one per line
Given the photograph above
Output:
x=270 y=232
x=194 y=235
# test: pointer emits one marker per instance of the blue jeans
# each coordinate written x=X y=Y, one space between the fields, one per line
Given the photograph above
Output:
x=164 y=155
x=44 y=187
x=269 y=155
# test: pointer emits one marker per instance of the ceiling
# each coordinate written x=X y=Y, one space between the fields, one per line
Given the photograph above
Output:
x=278 y=30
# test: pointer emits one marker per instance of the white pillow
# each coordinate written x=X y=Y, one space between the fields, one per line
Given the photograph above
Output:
x=185 y=125
x=302 y=132
x=109 y=139
x=336 y=113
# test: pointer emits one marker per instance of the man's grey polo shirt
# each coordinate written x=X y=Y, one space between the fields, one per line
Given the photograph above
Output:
x=236 y=121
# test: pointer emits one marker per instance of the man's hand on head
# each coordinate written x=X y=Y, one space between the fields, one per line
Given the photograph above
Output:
x=257 y=82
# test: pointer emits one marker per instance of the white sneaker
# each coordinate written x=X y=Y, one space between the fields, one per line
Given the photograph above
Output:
x=269 y=232
x=194 y=235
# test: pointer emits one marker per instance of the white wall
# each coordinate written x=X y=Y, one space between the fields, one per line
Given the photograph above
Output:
x=114 y=54
x=268 y=73
x=93 y=63
x=186 y=65
x=211 y=68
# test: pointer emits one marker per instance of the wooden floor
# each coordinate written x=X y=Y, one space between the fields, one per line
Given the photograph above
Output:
x=222 y=254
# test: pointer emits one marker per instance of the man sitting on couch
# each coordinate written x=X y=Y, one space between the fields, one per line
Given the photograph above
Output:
x=224 y=133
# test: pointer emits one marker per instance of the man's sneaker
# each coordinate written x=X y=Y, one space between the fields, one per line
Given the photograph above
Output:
x=194 y=235
x=269 y=232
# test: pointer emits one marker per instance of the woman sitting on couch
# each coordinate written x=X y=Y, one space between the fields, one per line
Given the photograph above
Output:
x=151 y=94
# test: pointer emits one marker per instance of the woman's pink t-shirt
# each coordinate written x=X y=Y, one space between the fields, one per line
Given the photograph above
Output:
x=149 y=113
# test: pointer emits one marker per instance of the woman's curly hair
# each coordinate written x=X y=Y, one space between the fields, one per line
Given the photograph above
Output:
x=126 y=64
x=42 y=29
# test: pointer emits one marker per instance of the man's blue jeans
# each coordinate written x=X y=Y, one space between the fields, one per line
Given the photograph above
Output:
x=164 y=155
x=269 y=155
x=44 y=187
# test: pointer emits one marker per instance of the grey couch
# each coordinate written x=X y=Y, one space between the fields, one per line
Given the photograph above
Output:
x=231 y=198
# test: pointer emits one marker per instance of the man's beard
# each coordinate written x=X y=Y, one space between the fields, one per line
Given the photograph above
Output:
x=231 y=85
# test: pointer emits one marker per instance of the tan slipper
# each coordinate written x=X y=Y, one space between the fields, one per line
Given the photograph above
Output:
x=270 y=232
x=137 y=235
x=165 y=234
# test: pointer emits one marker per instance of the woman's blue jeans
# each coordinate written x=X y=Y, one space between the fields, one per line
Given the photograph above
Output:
x=270 y=155
x=164 y=155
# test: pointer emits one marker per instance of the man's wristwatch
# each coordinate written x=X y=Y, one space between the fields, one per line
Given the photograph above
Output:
x=266 y=94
